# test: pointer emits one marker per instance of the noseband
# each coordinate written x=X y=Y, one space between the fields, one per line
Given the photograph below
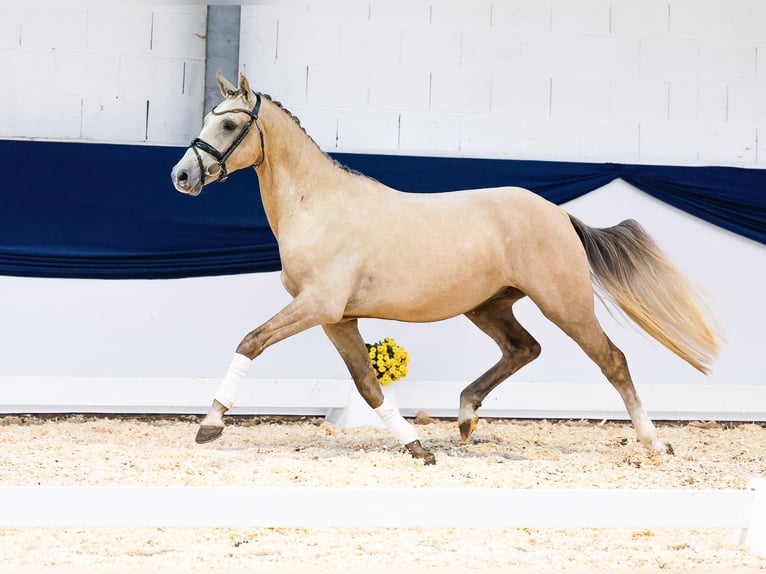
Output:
x=200 y=144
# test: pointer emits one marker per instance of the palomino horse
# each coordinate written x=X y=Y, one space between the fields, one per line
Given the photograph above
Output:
x=473 y=252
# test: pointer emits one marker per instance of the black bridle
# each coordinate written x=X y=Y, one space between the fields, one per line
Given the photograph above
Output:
x=200 y=144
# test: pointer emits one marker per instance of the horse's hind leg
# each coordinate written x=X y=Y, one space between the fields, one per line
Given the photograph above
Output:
x=349 y=343
x=572 y=310
x=495 y=317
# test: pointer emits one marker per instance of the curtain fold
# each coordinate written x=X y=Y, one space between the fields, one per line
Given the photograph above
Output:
x=110 y=211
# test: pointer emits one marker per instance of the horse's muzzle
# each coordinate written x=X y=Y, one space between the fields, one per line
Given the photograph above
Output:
x=186 y=180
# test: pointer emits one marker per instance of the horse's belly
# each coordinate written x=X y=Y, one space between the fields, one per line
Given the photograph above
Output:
x=407 y=300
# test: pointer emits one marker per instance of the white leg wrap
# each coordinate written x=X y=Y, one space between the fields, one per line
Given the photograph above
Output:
x=227 y=390
x=395 y=423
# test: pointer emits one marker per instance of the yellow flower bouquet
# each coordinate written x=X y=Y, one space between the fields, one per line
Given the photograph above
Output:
x=389 y=360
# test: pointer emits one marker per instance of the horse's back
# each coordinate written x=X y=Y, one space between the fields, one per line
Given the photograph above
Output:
x=431 y=256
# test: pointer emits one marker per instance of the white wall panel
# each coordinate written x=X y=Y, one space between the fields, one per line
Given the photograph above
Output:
x=423 y=130
x=461 y=90
x=580 y=97
x=521 y=93
x=522 y=15
x=644 y=19
x=369 y=132
x=634 y=98
x=400 y=89
x=107 y=118
x=98 y=65
x=669 y=58
x=431 y=47
x=586 y=17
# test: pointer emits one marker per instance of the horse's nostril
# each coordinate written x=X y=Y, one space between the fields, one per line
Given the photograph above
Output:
x=183 y=176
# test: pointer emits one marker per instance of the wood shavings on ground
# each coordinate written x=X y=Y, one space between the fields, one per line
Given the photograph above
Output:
x=300 y=451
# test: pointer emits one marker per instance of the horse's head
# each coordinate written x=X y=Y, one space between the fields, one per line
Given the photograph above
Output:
x=226 y=143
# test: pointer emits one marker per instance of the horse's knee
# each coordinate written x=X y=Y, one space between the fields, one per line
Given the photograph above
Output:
x=533 y=351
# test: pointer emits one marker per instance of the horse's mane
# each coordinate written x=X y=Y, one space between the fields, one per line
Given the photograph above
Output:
x=297 y=121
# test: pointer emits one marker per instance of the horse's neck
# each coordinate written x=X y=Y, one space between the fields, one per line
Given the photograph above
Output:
x=293 y=169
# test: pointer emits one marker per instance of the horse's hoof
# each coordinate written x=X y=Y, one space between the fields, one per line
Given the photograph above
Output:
x=208 y=433
x=467 y=427
x=417 y=451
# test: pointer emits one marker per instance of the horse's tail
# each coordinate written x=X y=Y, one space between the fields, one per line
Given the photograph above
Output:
x=633 y=273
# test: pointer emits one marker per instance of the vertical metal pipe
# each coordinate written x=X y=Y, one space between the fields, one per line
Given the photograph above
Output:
x=222 y=51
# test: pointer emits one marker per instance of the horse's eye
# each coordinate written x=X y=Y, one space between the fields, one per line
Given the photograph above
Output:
x=229 y=125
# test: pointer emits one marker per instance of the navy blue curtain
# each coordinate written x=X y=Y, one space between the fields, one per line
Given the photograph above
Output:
x=110 y=211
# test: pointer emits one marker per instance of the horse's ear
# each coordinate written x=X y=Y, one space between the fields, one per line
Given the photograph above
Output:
x=244 y=88
x=226 y=87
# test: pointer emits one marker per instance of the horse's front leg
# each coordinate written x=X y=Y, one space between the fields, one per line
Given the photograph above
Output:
x=349 y=343
x=302 y=313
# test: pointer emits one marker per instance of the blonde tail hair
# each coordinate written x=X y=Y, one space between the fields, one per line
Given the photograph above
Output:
x=631 y=270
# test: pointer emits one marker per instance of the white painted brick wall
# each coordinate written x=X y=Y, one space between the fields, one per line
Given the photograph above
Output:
x=603 y=80
x=108 y=71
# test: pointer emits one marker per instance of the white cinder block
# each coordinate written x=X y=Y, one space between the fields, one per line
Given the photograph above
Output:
x=338 y=86
x=747 y=103
x=271 y=10
x=697 y=101
x=582 y=17
x=308 y=40
x=121 y=29
x=639 y=98
x=521 y=93
x=400 y=12
x=8 y=114
x=683 y=101
x=570 y=54
x=180 y=33
x=145 y=77
x=460 y=91
x=609 y=141
x=727 y=144
x=669 y=142
x=283 y=81
x=24 y=70
x=736 y=19
x=114 y=119
x=368 y=131
x=477 y=13
x=431 y=47
x=727 y=60
x=580 y=97
x=64 y=124
x=86 y=74
x=10 y=32
x=549 y=138
x=712 y=101
x=522 y=15
x=258 y=37
x=645 y=19
x=321 y=125
x=174 y=122
x=370 y=44
x=669 y=58
x=429 y=133
x=399 y=89
x=490 y=50
x=761 y=144
x=57 y=27
x=194 y=79
x=338 y=10
x=485 y=135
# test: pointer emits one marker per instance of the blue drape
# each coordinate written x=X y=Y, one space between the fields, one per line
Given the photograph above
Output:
x=110 y=211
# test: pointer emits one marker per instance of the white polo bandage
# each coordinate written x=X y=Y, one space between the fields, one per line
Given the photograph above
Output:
x=227 y=390
x=395 y=422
